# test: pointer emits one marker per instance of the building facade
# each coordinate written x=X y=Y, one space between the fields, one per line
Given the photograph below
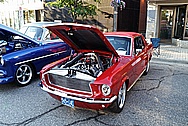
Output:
x=15 y=13
x=168 y=20
x=132 y=18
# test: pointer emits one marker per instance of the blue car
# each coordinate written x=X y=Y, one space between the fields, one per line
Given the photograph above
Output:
x=22 y=57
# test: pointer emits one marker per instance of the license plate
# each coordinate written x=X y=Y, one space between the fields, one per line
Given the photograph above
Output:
x=67 y=102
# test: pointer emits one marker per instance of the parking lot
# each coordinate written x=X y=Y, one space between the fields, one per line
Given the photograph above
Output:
x=157 y=99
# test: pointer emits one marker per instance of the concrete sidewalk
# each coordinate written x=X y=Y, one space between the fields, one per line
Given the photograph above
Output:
x=172 y=53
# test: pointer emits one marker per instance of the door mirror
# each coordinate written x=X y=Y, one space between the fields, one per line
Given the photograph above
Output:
x=138 y=51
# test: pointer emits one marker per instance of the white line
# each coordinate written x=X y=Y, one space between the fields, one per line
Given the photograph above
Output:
x=38 y=58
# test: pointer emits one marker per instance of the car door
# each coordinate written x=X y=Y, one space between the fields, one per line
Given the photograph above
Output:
x=139 y=59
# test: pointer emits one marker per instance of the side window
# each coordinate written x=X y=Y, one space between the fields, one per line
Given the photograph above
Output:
x=141 y=43
x=138 y=44
x=50 y=35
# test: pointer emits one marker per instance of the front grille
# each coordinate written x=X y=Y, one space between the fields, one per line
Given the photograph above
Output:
x=71 y=83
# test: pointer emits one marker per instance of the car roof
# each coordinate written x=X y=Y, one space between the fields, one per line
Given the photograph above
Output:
x=39 y=24
x=127 y=34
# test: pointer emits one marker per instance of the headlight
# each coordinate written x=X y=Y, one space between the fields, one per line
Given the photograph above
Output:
x=105 y=89
x=2 y=61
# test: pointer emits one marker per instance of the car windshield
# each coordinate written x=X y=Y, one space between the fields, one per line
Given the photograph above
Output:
x=38 y=33
x=120 y=44
x=33 y=32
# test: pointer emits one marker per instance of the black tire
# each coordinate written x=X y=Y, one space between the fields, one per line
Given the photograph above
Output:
x=119 y=103
x=147 y=68
x=24 y=75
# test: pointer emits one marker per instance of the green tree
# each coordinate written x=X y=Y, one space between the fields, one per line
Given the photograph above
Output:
x=77 y=8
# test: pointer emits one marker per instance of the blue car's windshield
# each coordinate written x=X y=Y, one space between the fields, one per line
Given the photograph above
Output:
x=33 y=32
x=120 y=44
x=38 y=33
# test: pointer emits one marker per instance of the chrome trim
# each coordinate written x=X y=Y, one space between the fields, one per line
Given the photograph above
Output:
x=79 y=99
x=66 y=87
x=39 y=58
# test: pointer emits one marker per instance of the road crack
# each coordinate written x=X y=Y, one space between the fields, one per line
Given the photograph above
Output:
x=163 y=78
x=105 y=123
x=86 y=119
x=94 y=118
x=160 y=80
x=30 y=119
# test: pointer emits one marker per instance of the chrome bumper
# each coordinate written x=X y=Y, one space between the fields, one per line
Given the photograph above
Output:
x=79 y=99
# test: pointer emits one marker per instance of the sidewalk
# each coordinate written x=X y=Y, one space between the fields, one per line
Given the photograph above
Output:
x=172 y=53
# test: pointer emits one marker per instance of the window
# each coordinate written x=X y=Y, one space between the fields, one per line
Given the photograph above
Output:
x=138 y=44
x=120 y=44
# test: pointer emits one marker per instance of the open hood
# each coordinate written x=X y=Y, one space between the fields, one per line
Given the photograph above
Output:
x=83 y=38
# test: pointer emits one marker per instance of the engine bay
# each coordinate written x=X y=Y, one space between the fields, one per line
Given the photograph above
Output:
x=15 y=45
x=91 y=64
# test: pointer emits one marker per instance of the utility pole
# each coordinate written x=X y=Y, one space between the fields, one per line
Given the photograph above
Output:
x=117 y=4
x=115 y=15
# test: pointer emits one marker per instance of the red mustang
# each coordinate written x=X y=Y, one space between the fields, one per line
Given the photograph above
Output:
x=101 y=70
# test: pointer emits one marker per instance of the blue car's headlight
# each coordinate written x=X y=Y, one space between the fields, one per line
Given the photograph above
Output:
x=2 y=62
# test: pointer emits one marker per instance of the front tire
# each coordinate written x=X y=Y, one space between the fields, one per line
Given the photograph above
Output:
x=24 y=75
x=147 y=68
x=119 y=103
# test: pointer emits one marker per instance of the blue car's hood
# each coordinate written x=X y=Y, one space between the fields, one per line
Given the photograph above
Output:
x=10 y=31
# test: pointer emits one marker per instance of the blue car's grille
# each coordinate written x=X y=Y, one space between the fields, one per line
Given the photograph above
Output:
x=71 y=83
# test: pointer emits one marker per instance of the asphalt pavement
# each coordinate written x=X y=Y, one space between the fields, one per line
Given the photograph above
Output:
x=157 y=99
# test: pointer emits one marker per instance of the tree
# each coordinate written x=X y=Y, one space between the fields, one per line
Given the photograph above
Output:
x=2 y=1
x=77 y=8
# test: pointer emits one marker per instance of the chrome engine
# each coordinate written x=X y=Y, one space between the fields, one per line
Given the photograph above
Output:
x=88 y=63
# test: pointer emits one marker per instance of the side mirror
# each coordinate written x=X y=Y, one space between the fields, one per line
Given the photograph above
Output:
x=138 y=51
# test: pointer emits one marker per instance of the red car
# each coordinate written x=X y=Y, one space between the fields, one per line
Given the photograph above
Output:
x=102 y=69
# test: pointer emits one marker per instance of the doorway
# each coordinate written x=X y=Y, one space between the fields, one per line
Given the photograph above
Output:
x=186 y=26
x=166 y=23
x=180 y=22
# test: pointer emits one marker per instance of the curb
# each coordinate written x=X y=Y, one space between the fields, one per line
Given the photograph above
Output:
x=169 y=60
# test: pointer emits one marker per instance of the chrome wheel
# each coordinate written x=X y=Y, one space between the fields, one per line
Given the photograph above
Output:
x=118 y=104
x=121 y=96
x=24 y=75
x=147 y=68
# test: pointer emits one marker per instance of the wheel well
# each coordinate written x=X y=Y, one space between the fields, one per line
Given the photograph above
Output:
x=127 y=83
x=32 y=67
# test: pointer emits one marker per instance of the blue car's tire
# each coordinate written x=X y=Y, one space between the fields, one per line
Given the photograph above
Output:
x=24 y=75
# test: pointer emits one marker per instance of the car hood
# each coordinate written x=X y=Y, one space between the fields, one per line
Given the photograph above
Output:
x=83 y=38
x=9 y=31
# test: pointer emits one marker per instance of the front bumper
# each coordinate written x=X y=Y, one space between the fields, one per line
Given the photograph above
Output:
x=86 y=100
